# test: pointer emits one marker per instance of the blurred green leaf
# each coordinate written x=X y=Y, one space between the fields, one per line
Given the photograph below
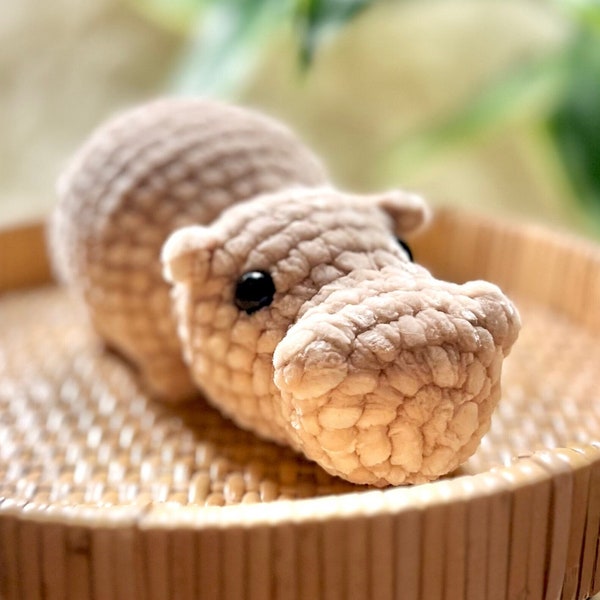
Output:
x=575 y=123
x=316 y=19
x=175 y=15
x=586 y=12
x=230 y=37
x=526 y=92
x=233 y=33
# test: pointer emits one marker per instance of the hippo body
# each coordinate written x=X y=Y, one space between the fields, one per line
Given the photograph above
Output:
x=293 y=306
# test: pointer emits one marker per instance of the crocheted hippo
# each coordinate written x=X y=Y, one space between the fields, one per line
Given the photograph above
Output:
x=303 y=318
x=296 y=308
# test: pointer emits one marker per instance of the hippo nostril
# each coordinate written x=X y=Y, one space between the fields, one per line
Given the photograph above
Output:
x=306 y=366
x=254 y=290
x=496 y=313
x=406 y=248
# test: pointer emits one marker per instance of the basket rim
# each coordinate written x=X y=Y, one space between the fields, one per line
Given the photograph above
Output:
x=539 y=467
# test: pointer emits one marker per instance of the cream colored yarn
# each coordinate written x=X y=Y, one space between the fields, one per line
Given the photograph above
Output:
x=363 y=361
x=139 y=177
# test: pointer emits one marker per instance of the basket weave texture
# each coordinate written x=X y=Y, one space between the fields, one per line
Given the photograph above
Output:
x=106 y=494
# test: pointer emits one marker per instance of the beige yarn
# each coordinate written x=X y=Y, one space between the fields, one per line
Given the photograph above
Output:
x=364 y=362
x=139 y=177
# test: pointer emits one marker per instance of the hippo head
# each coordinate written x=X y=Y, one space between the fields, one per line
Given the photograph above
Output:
x=303 y=318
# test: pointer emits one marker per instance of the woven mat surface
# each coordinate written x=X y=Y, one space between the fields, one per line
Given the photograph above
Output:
x=75 y=428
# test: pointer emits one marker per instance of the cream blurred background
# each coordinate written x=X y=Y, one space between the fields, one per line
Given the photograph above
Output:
x=64 y=66
x=394 y=97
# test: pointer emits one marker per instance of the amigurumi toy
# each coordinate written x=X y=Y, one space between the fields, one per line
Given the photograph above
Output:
x=300 y=313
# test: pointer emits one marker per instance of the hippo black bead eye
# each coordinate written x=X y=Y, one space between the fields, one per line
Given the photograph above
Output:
x=406 y=248
x=254 y=290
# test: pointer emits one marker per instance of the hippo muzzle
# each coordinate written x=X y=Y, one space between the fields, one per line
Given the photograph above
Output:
x=393 y=377
x=361 y=359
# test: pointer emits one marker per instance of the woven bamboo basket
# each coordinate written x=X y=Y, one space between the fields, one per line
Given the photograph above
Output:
x=105 y=494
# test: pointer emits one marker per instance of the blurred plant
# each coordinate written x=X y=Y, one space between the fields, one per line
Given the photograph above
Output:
x=317 y=19
x=559 y=94
x=228 y=36
x=574 y=122
x=175 y=15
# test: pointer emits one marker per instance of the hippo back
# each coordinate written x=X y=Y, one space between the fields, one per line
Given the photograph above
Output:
x=142 y=175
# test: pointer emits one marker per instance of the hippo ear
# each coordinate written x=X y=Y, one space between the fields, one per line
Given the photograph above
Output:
x=409 y=211
x=186 y=250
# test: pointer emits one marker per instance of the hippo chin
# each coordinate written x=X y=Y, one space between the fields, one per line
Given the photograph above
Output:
x=303 y=319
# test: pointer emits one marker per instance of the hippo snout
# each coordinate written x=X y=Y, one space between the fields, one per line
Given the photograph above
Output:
x=395 y=385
